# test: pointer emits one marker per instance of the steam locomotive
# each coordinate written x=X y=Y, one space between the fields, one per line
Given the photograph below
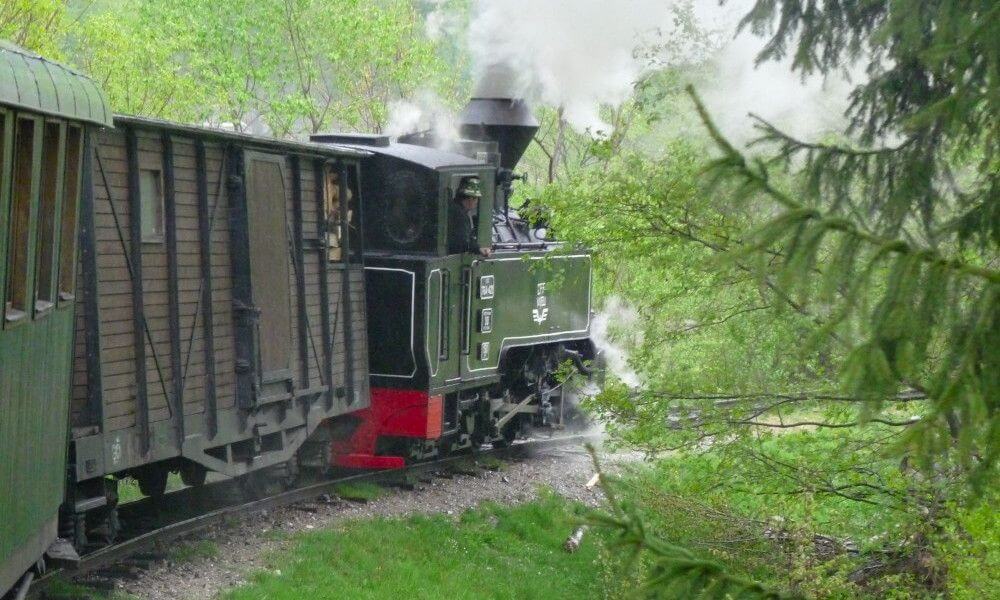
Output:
x=463 y=347
x=190 y=300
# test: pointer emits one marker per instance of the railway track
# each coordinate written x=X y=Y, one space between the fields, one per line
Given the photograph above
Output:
x=171 y=522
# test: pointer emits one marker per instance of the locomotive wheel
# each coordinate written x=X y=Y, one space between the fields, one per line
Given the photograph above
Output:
x=152 y=481
x=507 y=436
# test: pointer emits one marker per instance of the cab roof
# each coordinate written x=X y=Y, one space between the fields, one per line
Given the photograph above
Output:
x=432 y=158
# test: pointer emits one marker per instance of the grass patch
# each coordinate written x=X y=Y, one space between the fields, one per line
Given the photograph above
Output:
x=970 y=549
x=201 y=550
x=490 y=552
x=737 y=508
x=128 y=488
x=491 y=463
x=361 y=491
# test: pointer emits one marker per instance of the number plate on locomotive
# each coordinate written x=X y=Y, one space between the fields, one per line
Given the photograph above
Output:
x=486 y=320
x=486 y=287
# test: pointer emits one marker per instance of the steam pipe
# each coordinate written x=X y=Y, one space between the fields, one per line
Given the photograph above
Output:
x=577 y=359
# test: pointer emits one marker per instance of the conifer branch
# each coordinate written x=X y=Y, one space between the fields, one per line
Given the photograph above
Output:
x=756 y=179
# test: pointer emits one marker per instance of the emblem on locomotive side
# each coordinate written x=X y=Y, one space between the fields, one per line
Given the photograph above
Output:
x=541 y=311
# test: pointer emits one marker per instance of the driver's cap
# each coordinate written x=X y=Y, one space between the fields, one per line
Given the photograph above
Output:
x=470 y=188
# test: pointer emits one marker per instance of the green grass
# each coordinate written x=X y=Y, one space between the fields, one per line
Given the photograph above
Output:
x=970 y=549
x=128 y=488
x=362 y=491
x=726 y=506
x=491 y=552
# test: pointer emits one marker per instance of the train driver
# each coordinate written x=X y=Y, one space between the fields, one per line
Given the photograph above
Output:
x=463 y=228
x=334 y=236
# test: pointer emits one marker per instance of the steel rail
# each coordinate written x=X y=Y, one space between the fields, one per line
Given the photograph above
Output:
x=116 y=553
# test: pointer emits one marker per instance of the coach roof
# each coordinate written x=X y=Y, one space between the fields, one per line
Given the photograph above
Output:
x=30 y=82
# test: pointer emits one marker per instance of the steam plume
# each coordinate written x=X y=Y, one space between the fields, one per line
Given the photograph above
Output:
x=805 y=107
x=582 y=54
x=614 y=319
x=578 y=54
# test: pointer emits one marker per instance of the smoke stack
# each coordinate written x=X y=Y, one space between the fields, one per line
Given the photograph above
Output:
x=496 y=114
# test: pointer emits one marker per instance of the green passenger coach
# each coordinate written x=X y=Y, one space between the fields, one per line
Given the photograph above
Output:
x=47 y=115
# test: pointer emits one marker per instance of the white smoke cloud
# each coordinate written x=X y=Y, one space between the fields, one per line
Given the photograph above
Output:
x=441 y=20
x=581 y=54
x=578 y=54
x=805 y=107
x=615 y=321
x=423 y=112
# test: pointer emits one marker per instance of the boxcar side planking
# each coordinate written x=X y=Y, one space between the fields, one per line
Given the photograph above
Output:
x=213 y=334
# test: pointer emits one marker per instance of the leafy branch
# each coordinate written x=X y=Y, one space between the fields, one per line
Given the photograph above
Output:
x=754 y=177
x=933 y=318
x=674 y=571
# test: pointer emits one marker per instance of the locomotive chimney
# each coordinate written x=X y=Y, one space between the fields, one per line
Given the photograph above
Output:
x=496 y=114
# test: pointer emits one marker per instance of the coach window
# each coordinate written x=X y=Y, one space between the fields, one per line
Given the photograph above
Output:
x=22 y=191
x=151 y=195
x=51 y=179
x=71 y=204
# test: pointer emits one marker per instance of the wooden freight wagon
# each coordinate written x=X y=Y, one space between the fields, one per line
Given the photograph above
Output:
x=221 y=317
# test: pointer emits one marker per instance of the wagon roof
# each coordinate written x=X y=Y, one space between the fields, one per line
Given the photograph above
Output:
x=30 y=82
x=245 y=138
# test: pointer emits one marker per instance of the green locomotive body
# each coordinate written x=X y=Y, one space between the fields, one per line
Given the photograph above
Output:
x=470 y=310
x=47 y=112
x=447 y=323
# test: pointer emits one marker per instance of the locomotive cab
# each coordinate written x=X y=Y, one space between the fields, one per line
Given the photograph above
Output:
x=470 y=312
x=409 y=192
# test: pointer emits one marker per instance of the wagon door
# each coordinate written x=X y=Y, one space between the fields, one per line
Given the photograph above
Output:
x=269 y=269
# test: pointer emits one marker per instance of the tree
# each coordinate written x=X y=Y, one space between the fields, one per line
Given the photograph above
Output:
x=134 y=54
x=290 y=66
x=37 y=25
x=871 y=256
x=345 y=64
x=896 y=231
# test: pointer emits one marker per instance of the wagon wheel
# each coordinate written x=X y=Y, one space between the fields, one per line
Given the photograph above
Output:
x=193 y=474
x=152 y=481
